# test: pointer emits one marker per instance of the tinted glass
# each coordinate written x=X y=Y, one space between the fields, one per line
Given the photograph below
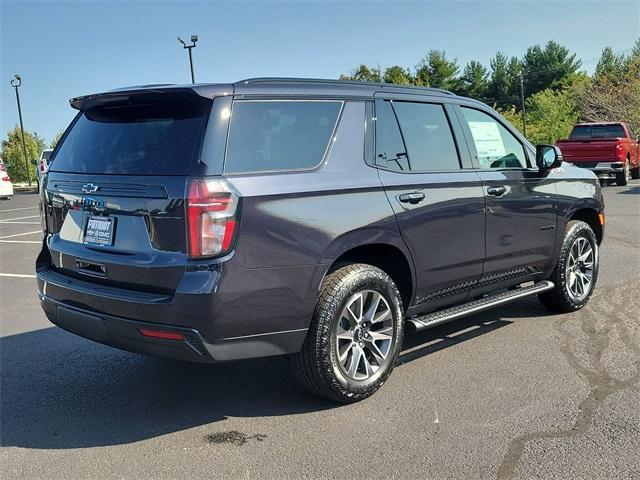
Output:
x=151 y=139
x=279 y=135
x=390 y=150
x=597 y=131
x=46 y=155
x=496 y=146
x=428 y=136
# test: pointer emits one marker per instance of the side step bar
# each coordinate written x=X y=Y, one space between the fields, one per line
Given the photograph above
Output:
x=443 y=316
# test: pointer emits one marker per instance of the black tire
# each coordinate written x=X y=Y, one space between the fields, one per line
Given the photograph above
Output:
x=560 y=299
x=622 y=178
x=316 y=366
x=635 y=173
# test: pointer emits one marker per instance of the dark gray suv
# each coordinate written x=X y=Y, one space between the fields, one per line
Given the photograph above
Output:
x=312 y=218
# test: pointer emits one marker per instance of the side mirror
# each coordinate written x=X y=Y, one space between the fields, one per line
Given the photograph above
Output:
x=548 y=157
x=34 y=162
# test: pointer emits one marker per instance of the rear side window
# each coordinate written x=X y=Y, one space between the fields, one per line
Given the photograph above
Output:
x=390 y=150
x=427 y=135
x=597 y=131
x=279 y=135
x=156 y=136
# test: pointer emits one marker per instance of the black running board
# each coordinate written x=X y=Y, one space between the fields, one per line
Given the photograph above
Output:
x=443 y=316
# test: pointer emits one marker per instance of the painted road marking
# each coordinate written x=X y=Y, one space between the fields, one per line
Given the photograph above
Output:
x=16 y=209
x=6 y=220
x=20 y=234
x=20 y=241
x=16 y=275
x=20 y=223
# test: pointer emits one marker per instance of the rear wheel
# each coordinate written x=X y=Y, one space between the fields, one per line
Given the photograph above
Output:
x=576 y=272
x=635 y=173
x=624 y=176
x=355 y=335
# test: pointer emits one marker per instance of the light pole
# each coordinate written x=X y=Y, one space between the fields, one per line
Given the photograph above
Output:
x=524 y=113
x=194 y=39
x=15 y=83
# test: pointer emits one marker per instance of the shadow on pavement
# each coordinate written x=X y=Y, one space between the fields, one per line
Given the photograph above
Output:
x=630 y=191
x=61 y=391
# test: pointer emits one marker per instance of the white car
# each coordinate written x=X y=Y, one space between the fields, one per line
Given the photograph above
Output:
x=6 y=187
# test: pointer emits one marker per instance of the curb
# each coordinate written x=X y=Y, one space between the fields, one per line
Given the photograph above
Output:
x=31 y=189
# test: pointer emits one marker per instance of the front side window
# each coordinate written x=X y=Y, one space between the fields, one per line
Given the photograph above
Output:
x=427 y=134
x=279 y=135
x=496 y=146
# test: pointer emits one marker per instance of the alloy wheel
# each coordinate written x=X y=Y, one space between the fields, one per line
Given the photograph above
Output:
x=364 y=335
x=579 y=270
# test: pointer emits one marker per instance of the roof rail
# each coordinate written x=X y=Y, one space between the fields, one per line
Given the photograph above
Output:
x=342 y=82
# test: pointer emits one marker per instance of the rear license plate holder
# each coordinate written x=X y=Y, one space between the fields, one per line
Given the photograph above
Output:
x=100 y=230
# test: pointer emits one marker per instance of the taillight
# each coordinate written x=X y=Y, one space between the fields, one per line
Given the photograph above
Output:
x=619 y=151
x=42 y=166
x=6 y=179
x=211 y=217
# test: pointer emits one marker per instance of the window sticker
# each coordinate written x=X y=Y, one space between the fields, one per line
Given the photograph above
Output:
x=487 y=138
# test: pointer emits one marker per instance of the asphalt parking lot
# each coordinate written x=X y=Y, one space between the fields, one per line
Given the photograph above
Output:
x=512 y=393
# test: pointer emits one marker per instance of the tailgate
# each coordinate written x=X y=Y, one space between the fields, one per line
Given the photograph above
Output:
x=114 y=195
x=129 y=233
x=588 y=150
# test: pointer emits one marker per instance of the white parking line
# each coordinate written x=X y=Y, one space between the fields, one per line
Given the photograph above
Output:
x=5 y=220
x=20 y=223
x=20 y=241
x=16 y=275
x=16 y=209
x=20 y=234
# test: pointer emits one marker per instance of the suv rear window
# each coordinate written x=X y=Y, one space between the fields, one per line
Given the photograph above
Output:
x=597 y=131
x=273 y=135
x=152 y=137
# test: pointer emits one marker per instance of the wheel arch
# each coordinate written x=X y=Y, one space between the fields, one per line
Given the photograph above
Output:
x=381 y=248
x=591 y=217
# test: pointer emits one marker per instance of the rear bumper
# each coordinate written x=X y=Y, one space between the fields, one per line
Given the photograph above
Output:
x=126 y=334
x=218 y=325
x=602 y=168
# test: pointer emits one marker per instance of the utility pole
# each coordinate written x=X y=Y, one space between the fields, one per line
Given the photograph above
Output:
x=15 y=83
x=524 y=113
x=194 y=39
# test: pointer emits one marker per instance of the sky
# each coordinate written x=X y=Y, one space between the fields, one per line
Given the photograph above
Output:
x=67 y=49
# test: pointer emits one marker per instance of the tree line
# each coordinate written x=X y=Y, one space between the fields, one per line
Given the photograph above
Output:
x=558 y=93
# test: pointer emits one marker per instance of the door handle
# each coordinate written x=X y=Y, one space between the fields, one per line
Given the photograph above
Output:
x=414 y=197
x=497 y=191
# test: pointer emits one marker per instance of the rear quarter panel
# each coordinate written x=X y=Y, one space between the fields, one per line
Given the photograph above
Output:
x=294 y=225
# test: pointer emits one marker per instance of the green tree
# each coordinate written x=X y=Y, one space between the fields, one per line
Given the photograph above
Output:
x=474 y=80
x=610 y=63
x=364 y=74
x=502 y=83
x=547 y=67
x=435 y=70
x=12 y=155
x=397 y=75
x=550 y=116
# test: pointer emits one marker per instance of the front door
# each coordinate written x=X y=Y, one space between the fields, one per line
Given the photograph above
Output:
x=521 y=202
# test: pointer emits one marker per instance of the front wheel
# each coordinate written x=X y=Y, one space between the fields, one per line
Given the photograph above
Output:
x=355 y=336
x=576 y=272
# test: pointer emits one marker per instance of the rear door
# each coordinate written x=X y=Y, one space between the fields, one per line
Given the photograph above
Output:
x=521 y=202
x=114 y=193
x=439 y=204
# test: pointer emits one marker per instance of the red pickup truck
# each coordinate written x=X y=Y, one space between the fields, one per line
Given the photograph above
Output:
x=608 y=149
